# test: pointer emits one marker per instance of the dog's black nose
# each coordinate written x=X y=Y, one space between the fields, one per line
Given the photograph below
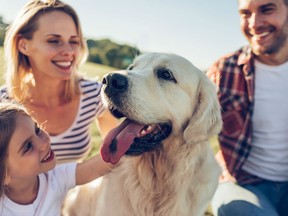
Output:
x=115 y=83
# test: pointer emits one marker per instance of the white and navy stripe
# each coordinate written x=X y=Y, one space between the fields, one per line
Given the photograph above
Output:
x=74 y=144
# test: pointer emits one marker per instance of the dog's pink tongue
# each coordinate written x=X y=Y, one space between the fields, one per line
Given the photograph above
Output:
x=118 y=141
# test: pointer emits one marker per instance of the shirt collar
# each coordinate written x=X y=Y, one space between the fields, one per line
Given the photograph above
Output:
x=246 y=61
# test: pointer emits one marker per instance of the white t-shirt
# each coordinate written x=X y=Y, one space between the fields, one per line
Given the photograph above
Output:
x=268 y=158
x=53 y=187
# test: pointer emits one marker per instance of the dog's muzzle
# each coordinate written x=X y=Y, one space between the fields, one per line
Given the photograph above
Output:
x=131 y=137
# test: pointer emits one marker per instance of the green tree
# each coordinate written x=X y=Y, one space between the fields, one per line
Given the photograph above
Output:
x=110 y=53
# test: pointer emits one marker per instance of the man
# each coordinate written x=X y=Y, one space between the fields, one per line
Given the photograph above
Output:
x=253 y=88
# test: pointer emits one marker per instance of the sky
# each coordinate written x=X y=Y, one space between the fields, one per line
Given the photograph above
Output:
x=199 y=30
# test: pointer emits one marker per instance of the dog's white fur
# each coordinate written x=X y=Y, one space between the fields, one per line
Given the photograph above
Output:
x=181 y=177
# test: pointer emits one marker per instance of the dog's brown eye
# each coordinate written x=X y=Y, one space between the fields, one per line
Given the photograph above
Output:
x=164 y=73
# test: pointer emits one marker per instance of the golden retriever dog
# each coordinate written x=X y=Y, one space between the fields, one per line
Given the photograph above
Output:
x=165 y=164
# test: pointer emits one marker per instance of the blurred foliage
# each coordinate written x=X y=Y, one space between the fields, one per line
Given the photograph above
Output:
x=109 y=53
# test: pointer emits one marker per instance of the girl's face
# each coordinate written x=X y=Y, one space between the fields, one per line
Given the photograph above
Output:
x=29 y=151
x=54 y=47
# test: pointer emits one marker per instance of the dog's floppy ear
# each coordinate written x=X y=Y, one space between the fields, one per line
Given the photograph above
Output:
x=206 y=119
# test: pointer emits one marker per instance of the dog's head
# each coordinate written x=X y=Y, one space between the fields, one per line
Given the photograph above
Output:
x=159 y=94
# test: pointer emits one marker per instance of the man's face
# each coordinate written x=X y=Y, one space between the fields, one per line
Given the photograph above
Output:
x=265 y=24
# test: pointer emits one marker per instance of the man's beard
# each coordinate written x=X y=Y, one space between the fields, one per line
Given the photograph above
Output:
x=278 y=42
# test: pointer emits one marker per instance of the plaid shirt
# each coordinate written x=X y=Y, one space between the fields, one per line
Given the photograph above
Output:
x=234 y=75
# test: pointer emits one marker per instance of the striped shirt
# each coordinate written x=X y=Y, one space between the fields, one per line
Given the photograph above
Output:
x=234 y=74
x=74 y=143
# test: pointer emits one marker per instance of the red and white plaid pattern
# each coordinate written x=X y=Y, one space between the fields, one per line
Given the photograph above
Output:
x=234 y=75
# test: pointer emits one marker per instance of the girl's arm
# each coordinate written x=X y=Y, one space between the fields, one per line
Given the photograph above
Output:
x=91 y=169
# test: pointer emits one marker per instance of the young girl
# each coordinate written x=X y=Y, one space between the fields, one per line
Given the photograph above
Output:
x=30 y=184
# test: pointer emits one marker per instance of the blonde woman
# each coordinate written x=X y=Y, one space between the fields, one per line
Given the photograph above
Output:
x=43 y=49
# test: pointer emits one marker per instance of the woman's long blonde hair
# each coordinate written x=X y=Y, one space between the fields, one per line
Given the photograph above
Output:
x=18 y=68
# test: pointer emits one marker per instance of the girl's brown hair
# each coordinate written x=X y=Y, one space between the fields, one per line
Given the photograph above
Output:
x=8 y=114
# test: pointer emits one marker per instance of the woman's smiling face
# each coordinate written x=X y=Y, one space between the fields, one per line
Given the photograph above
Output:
x=54 y=47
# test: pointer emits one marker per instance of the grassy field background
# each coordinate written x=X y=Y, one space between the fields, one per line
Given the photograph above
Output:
x=95 y=71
